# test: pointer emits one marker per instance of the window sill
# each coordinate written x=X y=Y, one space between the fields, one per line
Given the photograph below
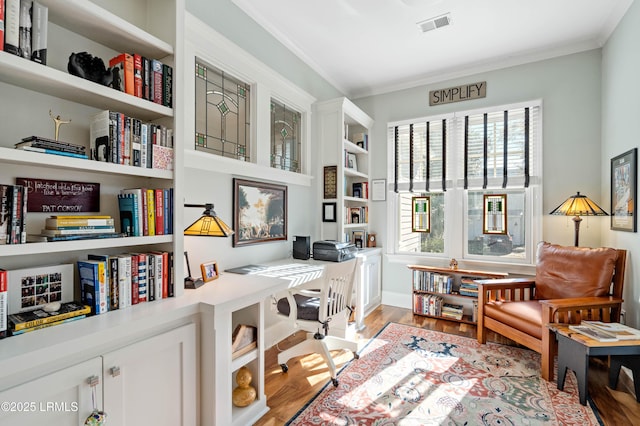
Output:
x=511 y=268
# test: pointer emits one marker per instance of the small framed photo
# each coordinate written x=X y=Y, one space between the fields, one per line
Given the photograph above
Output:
x=624 y=180
x=352 y=162
x=209 y=271
x=329 y=212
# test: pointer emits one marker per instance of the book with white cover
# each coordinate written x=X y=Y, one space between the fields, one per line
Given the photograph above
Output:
x=620 y=331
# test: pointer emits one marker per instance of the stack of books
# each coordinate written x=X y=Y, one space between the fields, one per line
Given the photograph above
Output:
x=50 y=146
x=25 y=322
x=468 y=287
x=605 y=331
x=65 y=228
x=449 y=310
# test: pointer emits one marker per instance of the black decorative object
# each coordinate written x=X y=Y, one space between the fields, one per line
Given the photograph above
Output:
x=92 y=68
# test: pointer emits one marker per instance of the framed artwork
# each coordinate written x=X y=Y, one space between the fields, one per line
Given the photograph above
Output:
x=378 y=190
x=209 y=271
x=352 y=162
x=31 y=287
x=329 y=212
x=624 y=180
x=494 y=218
x=259 y=212
x=421 y=214
x=330 y=182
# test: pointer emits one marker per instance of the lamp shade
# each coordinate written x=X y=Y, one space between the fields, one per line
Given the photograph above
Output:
x=576 y=206
x=579 y=205
x=209 y=224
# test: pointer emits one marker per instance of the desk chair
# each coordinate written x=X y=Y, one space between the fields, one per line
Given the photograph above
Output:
x=312 y=306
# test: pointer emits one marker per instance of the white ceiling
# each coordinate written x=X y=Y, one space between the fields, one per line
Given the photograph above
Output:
x=366 y=47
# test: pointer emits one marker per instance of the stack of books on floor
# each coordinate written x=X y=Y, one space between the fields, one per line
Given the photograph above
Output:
x=449 y=310
x=66 y=228
x=49 y=146
x=25 y=322
x=468 y=287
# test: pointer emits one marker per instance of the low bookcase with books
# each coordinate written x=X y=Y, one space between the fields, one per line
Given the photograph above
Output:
x=447 y=293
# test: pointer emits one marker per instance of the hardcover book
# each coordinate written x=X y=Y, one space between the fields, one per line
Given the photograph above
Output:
x=128 y=206
x=137 y=75
x=12 y=26
x=4 y=297
x=1 y=26
x=39 y=29
x=158 y=90
x=93 y=284
x=38 y=317
x=24 y=29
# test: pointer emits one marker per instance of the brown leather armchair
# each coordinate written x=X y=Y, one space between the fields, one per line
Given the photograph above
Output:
x=571 y=284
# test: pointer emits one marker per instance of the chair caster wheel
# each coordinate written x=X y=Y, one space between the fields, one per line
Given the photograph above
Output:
x=284 y=367
x=335 y=382
x=356 y=356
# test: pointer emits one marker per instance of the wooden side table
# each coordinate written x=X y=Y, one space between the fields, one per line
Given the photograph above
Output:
x=574 y=350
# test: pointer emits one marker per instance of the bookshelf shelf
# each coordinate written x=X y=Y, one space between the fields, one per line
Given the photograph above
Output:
x=25 y=158
x=105 y=28
x=43 y=79
x=67 y=246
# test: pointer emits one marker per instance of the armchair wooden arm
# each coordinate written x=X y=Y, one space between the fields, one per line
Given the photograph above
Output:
x=572 y=311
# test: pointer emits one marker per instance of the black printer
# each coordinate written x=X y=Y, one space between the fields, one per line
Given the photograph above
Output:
x=333 y=251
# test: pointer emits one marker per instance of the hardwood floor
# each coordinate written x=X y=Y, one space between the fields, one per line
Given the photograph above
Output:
x=287 y=393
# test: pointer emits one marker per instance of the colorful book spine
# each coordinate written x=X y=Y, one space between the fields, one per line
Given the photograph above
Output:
x=55 y=223
x=128 y=207
x=135 y=280
x=117 y=65
x=4 y=296
x=54 y=152
x=137 y=75
x=1 y=25
x=92 y=275
x=146 y=68
x=36 y=318
x=151 y=212
x=167 y=86
x=124 y=280
x=159 y=228
x=142 y=277
x=51 y=324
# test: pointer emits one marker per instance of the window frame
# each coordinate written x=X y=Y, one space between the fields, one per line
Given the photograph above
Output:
x=456 y=197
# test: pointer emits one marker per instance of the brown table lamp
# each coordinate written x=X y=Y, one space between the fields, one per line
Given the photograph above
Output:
x=207 y=225
x=576 y=206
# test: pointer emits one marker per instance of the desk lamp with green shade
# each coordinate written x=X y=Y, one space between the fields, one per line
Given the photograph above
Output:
x=207 y=225
x=576 y=206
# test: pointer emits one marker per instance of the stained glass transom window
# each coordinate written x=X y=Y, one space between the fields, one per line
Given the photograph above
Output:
x=285 y=137
x=223 y=119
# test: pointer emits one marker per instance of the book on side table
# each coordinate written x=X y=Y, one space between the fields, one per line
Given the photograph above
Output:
x=606 y=332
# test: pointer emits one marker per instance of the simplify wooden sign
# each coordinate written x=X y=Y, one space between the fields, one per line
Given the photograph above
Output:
x=458 y=93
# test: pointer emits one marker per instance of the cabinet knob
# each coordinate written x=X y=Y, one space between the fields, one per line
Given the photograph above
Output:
x=115 y=371
x=93 y=381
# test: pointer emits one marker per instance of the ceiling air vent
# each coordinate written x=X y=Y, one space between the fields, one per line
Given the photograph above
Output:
x=434 y=23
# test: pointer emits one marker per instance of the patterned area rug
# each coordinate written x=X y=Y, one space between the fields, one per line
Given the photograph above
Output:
x=412 y=376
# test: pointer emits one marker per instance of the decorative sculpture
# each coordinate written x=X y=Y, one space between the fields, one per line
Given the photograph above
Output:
x=92 y=68
x=244 y=394
x=58 y=122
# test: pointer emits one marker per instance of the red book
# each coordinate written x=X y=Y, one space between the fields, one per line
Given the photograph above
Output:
x=135 y=290
x=124 y=63
x=159 y=212
x=137 y=75
x=165 y=275
x=4 y=295
x=1 y=42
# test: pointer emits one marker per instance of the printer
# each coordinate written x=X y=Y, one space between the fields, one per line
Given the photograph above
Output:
x=333 y=251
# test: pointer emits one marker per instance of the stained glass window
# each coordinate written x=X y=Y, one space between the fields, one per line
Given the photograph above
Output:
x=223 y=118
x=285 y=137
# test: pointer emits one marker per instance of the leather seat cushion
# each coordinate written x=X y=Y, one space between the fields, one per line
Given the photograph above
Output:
x=308 y=307
x=525 y=316
x=568 y=272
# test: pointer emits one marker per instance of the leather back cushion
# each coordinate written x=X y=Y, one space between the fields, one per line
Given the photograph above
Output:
x=566 y=272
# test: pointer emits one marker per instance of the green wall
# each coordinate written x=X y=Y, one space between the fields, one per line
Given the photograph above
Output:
x=620 y=112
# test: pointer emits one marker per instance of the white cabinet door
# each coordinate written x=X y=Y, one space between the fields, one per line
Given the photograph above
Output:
x=372 y=285
x=153 y=382
x=63 y=398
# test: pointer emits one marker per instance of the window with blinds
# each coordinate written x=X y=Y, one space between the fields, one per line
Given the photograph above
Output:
x=468 y=155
